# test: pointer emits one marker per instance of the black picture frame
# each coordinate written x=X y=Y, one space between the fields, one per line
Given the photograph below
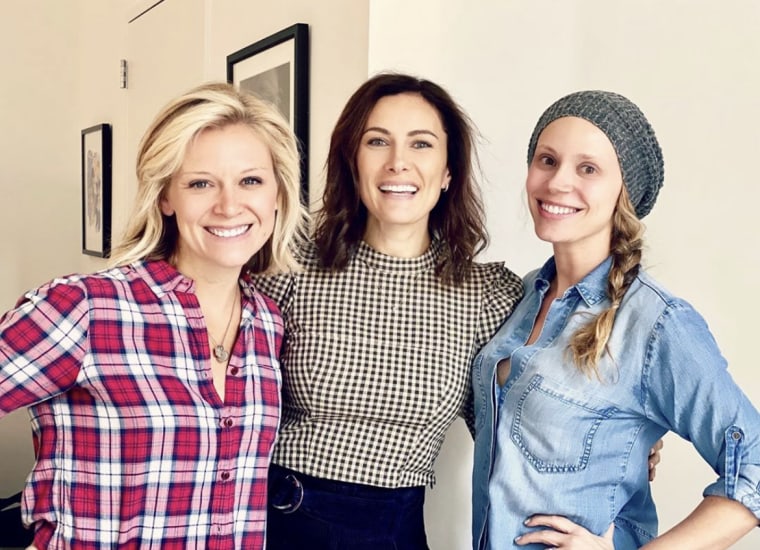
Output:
x=276 y=68
x=96 y=190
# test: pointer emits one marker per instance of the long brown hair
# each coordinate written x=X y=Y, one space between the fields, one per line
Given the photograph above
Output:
x=457 y=220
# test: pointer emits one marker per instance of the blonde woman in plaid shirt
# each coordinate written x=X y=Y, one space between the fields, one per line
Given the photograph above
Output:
x=154 y=386
x=382 y=323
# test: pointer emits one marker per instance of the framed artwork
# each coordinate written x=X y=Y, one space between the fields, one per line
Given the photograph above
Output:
x=276 y=69
x=96 y=190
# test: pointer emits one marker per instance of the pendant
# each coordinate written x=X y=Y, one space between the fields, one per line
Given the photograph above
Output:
x=220 y=353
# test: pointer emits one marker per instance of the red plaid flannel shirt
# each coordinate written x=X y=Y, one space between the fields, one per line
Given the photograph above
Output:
x=134 y=447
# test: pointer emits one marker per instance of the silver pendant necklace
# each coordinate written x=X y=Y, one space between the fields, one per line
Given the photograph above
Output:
x=220 y=352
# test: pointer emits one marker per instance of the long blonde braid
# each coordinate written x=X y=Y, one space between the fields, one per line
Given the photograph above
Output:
x=589 y=343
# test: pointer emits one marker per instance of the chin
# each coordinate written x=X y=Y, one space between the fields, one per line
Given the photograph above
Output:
x=550 y=236
x=233 y=261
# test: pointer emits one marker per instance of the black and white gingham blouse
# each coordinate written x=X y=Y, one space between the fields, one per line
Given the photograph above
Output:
x=376 y=362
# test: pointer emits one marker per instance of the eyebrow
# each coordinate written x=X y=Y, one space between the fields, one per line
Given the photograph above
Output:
x=411 y=133
x=549 y=149
x=203 y=173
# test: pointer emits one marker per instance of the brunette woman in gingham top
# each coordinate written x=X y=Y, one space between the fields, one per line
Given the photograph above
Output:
x=154 y=386
x=382 y=323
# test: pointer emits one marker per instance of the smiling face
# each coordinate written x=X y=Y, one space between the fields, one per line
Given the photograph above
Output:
x=402 y=165
x=573 y=184
x=224 y=198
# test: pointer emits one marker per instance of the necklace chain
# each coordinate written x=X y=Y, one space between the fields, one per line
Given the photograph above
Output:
x=220 y=352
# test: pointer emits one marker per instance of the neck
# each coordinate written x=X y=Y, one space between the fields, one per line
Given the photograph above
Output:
x=209 y=279
x=400 y=242
x=216 y=296
x=572 y=265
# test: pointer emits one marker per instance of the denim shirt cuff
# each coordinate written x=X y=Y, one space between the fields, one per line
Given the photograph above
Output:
x=739 y=482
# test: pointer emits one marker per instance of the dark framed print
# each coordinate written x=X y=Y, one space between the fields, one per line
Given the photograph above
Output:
x=96 y=190
x=276 y=69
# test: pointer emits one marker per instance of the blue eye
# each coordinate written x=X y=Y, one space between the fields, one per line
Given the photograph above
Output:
x=421 y=145
x=252 y=180
x=376 y=142
x=198 y=184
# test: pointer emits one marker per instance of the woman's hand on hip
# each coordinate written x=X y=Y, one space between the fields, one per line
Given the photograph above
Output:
x=560 y=532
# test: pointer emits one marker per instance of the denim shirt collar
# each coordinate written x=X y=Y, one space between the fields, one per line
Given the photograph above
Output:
x=592 y=288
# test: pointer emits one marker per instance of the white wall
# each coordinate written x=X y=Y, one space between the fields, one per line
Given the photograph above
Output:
x=692 y=67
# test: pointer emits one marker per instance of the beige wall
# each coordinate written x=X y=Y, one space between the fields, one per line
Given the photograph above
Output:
x=39 y=144
x=39 y=156
x=59 y=72
x=692 y=66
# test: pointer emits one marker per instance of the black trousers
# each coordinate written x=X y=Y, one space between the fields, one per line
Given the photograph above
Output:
x=320 y=514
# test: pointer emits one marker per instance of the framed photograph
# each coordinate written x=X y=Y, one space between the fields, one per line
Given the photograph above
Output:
x=96 y=190
x=276 y=69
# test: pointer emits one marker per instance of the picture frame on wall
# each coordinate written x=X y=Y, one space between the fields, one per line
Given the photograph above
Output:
x=96 y=190
x=276 y=69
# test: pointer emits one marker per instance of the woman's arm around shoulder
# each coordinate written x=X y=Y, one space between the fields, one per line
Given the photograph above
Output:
x=281 y=286
x=503 y=289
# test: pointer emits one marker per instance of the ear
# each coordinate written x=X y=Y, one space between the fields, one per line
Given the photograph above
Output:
x=166 y=207
x=446 y=181
x=278 y=203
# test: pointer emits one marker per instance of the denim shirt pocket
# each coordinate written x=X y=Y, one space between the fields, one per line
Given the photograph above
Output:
x=555 y=429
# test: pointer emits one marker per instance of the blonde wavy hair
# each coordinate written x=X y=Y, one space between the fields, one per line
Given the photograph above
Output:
x=589 y=343
x=150 y=234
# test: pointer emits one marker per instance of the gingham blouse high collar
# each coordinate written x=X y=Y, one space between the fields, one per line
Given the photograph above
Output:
x=400 y=266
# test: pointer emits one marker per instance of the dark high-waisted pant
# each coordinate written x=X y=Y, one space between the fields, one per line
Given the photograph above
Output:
x=311 y=513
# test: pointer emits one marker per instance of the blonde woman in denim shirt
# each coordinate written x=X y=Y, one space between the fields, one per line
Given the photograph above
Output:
x=599 y=361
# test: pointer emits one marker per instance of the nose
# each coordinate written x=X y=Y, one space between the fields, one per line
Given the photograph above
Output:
x=228 y=203
x=396 y=159
x=560 y=181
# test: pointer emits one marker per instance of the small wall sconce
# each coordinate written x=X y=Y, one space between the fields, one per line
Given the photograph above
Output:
x=123 y=73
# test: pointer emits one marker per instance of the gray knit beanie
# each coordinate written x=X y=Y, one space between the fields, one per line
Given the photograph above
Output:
x=629 y=131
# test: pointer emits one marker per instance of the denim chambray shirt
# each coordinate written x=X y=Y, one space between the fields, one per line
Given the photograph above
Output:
x=555 y=441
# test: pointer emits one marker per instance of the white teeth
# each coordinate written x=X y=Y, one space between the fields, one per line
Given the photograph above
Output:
x=399 y=188
x=234 y=232
x=556 y=209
